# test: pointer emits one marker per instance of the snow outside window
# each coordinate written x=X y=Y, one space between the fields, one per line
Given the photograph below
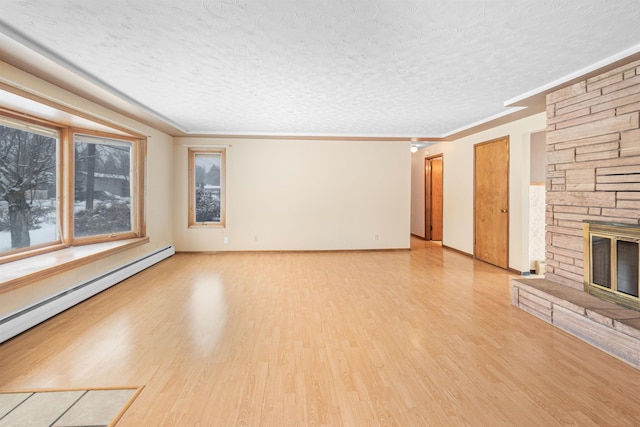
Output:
x=102 y=186
x=28 y=185
x=206 y=187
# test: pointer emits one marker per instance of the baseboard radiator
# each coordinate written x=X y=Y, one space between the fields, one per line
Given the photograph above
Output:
x=23 y=319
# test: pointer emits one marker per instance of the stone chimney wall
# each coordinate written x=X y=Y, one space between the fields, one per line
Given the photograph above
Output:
x=593 y=164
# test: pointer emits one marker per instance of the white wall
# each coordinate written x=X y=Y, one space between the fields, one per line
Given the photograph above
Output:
x=538 y=160
x=417 y=194
x=302 y=195
x=537 y=211
x=158 y=203
x=458 y=187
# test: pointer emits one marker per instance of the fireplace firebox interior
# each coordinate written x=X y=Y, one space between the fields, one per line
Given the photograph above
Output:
x=612 y=262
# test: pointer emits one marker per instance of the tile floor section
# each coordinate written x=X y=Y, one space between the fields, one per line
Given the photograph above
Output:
x=77 y=408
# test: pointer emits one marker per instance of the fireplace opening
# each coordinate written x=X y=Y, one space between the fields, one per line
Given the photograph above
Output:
x=601 y=264
x=612 y=262
x=627 y=267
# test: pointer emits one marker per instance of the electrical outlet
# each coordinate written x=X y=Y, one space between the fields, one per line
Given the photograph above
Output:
x=376 y=237
x=225 y=240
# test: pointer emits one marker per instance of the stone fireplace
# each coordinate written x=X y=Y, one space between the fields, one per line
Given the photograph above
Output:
x=592 y=213
x=593 y=166
x=612 y=262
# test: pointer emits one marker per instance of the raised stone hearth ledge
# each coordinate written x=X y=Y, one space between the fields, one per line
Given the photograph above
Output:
x=608 y=326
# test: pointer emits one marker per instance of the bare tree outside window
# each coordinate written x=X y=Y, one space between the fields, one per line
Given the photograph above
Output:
x=62 y=186
x=28 y=202
x=207 y=188
x=102 y=186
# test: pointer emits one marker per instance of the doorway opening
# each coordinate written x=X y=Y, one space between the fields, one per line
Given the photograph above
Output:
x=433 y=168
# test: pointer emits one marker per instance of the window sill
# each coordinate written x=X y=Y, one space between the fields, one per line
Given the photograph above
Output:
x=28 y=270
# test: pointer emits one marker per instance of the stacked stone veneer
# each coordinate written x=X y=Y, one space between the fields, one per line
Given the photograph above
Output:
x=603 y=324
x=593 y=164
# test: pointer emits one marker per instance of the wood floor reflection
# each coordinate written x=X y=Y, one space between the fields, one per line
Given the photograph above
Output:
x=426 y=337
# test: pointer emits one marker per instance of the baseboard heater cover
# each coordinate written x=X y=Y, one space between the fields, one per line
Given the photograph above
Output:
x=26 y=318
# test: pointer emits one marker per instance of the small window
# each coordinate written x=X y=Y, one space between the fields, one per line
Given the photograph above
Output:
x=206 y=187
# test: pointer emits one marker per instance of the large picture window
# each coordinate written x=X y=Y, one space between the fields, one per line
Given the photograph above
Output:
x=102 y=186
x=61 y=186
x=206 y=187
x=28 y=185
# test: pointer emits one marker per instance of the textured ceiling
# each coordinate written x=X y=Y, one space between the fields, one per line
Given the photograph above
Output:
x=390 y=68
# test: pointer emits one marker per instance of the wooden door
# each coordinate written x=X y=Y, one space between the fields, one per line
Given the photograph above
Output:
x=491 y=194
x=433 y=198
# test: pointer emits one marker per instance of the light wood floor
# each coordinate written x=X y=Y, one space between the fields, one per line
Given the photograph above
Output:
x=420 y=338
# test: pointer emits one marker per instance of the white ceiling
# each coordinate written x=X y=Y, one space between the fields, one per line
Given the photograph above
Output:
x=386 y=68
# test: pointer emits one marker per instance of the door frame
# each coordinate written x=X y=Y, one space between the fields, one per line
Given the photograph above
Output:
x=506 y=137
x=427 y=194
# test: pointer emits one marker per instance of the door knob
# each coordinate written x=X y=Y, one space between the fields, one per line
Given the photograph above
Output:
x=503 y=210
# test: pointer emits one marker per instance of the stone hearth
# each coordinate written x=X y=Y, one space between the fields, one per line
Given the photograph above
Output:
x=608 y=326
